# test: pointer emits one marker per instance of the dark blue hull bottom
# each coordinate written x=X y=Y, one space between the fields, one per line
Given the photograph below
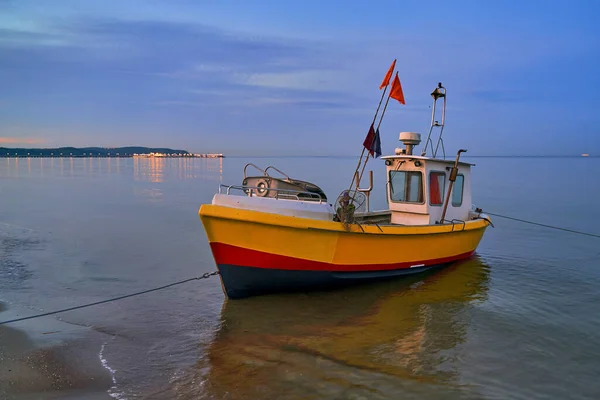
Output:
x=239 y=282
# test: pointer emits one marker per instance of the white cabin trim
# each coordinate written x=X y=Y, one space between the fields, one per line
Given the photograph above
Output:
x=272 y=205
x=416 y=208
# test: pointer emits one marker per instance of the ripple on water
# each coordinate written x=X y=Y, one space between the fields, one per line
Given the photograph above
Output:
x=14 y=272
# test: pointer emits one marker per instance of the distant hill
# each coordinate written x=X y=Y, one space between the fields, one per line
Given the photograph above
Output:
x=86 y=151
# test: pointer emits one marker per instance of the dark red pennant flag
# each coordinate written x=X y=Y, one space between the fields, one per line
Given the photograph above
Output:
x=396 y=92
x=388 y=76
x=369 y=142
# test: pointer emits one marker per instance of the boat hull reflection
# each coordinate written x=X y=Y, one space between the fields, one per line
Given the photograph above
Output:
x=350 y=340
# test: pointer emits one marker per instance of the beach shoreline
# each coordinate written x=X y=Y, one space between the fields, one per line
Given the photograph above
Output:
x=61 y=369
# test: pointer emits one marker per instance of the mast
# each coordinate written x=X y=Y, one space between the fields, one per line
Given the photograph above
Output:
x=438 y=93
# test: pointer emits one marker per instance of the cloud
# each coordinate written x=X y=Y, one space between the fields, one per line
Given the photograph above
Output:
x=319 y=80
x=268 y=102
x=503 y=95
x=11 y=38
x=15 y=140
x=110 y=54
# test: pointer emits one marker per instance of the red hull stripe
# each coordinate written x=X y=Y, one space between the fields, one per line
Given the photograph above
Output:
x=233 y=255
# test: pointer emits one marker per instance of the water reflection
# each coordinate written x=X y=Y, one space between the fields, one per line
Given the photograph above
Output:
x=152 y=195
x=149 y=169
x=336 y=340
x=153 y=170
x=211 y=169
x=160 y=169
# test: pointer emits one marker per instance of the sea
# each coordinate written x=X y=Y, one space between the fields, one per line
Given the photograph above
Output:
x=519 y=320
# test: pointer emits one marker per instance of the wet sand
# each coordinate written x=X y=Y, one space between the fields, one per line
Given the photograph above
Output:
x=71 y=369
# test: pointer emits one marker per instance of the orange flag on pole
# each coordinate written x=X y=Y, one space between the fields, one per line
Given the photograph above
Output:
x=396 y=92
x=388 y=76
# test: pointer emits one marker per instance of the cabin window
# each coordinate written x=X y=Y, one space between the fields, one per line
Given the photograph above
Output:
x=437 y=188
x=457 y=191
x=406 y=186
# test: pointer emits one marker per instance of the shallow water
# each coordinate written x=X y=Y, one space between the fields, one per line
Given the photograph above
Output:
x=520 y=320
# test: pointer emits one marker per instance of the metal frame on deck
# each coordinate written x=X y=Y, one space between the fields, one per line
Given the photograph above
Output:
x=285 y=194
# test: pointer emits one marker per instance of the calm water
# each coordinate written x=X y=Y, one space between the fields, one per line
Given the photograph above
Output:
x=521 y=320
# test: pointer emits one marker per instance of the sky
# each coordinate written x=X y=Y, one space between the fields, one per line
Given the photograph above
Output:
x=298 y=77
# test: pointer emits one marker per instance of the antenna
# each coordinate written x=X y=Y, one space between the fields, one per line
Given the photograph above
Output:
x=438 y=93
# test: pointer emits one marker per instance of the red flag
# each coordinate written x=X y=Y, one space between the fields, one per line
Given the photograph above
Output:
x=396 y=92
x=388 y=76
x=370 y=140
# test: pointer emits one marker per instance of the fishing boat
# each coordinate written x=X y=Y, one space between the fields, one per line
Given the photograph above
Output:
x=274 y=233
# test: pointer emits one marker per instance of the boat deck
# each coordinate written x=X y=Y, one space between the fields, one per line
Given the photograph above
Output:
x=383 y=217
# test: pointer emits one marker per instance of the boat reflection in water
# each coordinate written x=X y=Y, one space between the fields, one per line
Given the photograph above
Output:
x=370 y=341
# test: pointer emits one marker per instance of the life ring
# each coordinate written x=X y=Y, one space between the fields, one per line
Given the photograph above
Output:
x=262 y=188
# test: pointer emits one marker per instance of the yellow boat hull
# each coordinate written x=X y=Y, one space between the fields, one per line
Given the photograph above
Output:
x=258 y=252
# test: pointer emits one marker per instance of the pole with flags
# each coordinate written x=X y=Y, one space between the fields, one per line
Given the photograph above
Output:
x=384 y=84
x=372 y=141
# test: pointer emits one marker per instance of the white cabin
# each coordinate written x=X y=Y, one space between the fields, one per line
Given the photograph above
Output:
x=417 y=188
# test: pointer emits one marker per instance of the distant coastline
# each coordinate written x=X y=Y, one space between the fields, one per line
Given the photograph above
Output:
x=101 y=152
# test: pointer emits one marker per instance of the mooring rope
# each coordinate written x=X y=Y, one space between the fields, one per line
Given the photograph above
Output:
x=543 y=225
x=204 y=276
x=209 y=274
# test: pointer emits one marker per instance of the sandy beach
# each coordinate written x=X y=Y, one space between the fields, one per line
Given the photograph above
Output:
x=69 y=369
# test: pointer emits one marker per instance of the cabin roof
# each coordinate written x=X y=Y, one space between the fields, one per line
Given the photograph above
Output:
x=414 y=157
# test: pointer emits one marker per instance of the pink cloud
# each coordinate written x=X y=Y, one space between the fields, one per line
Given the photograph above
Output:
x=12 y=140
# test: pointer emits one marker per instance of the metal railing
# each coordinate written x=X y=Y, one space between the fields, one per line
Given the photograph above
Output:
x=278 y=170
x=264 y=172
x=283 y=194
